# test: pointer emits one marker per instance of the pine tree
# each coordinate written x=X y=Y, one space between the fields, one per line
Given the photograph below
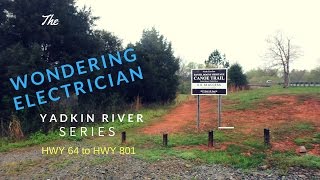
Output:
x=159 y=66
x=217 y=60
x=236 y=76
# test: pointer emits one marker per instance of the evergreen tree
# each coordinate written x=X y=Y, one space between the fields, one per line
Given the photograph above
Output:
x=236 y=76
x=159 y=66
x=217 y=60
x=27 y=46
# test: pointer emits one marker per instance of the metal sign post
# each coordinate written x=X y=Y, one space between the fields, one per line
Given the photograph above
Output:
x=198 y=112
x=219 y=110
x=219 y=114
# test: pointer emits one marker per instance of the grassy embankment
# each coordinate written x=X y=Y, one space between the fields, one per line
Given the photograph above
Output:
x=150 y=147
x=243 y=151
x=150 y=113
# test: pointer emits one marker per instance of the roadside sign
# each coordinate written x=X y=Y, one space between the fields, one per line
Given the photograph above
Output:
x=209 y=81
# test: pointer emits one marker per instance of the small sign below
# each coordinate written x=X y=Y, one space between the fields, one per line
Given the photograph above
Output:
x=209 y=81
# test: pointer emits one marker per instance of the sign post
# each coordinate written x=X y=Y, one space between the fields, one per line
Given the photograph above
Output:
x=209 y=82
x=198 y=112
x=219 y=111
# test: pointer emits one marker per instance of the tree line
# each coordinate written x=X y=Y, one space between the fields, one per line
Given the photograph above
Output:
x=27 y=46
x=260 y=75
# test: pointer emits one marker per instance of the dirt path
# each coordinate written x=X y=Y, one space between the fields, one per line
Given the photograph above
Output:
x=181 y=116
x=274 y=111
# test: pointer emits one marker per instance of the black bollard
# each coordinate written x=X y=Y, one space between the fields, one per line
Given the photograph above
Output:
x=165 y=140
x=210 y=139
x=123 y=137
x=266 y=136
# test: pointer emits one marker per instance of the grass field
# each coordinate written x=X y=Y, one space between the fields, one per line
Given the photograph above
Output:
x=232 y=148
x=248 y=99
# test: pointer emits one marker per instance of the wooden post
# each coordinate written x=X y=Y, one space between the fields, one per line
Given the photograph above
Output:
x=210 y=139
x=267 y=137
x=165 y=140
x=123 y=137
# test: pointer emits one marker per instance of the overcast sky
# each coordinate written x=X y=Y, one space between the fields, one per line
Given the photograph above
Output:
x=237 y=28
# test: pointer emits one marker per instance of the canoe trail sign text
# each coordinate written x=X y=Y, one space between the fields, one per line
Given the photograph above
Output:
x=209 y=81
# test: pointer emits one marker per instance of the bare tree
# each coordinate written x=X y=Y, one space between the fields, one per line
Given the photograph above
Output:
x=281 y=53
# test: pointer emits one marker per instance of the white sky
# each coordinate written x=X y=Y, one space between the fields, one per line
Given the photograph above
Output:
x=236 y=28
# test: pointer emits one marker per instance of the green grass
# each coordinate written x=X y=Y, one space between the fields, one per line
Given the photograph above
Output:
x=195 y=139
x=251 y=153
x=304 y=126
x=302 y=141
x=150 y=148
x=308 y=140
x=284 y=160
x=316 y=138
x=232 y=156
x=187 y=155
x=250 y=98
x=150 y=113
x=255 y=144
x=34 y=139
x=302 y=132
x=293 y=129
x=308 y=161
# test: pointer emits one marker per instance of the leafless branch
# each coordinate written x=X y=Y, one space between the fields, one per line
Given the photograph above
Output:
x=281 y=53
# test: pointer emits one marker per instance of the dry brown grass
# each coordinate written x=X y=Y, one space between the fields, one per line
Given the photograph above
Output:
x=15 y=129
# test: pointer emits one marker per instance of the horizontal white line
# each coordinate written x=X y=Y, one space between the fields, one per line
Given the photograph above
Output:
x=225 y=127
